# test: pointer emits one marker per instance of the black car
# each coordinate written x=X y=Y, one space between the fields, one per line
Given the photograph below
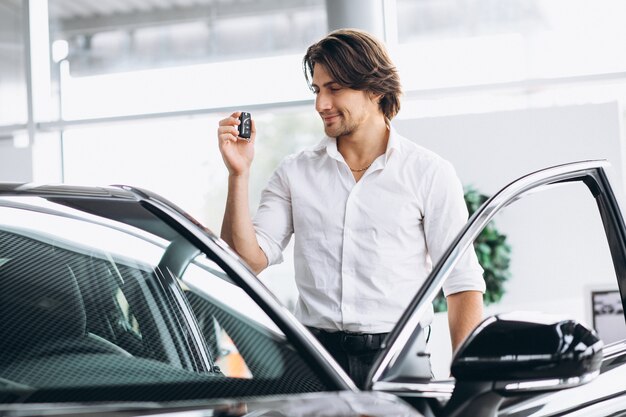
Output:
x=116 y=302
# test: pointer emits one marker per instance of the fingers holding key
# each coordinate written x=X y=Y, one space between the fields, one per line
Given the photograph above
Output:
x=228 y=128
x=237 y=152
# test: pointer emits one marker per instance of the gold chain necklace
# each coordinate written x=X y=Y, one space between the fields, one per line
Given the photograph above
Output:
x=360 y=169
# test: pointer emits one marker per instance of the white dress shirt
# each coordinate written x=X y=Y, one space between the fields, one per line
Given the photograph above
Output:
x=362 y=249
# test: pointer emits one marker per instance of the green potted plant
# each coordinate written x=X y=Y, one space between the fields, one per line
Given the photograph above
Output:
x=493 y=252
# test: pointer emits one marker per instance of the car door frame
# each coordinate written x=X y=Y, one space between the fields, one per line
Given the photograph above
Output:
x=329 y=371
x=398 y=349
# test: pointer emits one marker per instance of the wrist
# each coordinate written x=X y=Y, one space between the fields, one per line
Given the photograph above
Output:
x=239 y=176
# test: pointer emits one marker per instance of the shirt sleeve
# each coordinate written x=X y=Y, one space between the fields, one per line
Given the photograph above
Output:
x=273 y=221
x=445 y=213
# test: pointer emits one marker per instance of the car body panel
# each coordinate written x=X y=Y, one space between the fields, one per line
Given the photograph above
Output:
x=332 y=404
x=605 y=388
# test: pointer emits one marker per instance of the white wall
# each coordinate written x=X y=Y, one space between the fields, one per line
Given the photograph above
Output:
x=15 y=163
x=491 y=150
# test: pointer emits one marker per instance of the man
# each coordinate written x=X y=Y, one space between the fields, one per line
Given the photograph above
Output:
x=368 y=208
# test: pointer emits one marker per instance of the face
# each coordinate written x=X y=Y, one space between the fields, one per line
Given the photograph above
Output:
x=343 y=110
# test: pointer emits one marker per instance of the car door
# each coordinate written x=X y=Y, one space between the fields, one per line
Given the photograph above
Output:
x=570 y=208
x=116 y=302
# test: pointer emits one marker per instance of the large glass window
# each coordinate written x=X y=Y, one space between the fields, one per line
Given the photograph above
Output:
x=12 y=67
x=167 y=57
x=179 y=159
x=112 y=37
x=478 y=56
x=462 y=42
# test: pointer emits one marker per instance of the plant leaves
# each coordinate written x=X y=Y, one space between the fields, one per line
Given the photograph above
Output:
x=493 y=253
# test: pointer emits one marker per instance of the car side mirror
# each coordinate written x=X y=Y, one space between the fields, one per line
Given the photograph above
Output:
x=515 y=353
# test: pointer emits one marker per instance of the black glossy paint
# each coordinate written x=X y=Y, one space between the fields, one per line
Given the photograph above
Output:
x=511 y=347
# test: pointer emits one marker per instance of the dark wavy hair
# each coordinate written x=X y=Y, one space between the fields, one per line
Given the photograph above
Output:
x=357 y=60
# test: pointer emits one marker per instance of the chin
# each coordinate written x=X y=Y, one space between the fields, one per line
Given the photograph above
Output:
x=330 y=132
x=335 y=132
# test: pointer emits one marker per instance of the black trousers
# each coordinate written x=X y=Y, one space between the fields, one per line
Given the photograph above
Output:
x=355 y=353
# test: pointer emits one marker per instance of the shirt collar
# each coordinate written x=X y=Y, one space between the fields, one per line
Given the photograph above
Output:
x=330 y=144
x=394 y=142
x=331 y=148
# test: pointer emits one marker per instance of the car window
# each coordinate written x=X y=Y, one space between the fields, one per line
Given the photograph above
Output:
x=554 y=257
x=74 y=313
x=243 y=340
x=98 y=310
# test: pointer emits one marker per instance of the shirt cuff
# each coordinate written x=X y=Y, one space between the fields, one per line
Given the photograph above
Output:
x=271 y=249
x=465 y=282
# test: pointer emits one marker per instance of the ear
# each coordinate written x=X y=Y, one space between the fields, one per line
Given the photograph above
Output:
x=376 y=98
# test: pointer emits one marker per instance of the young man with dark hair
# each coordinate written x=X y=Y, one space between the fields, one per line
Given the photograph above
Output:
x=369 y=210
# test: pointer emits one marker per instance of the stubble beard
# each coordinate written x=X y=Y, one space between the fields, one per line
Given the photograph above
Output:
x=340 y=128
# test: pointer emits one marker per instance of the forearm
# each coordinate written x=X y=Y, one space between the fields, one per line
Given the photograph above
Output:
x=465 y=312
x=237 y=228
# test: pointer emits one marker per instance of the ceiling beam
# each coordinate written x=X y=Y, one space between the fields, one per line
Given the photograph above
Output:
x=68 y=27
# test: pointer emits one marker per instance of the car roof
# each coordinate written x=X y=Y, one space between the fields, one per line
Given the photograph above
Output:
x=116 y=202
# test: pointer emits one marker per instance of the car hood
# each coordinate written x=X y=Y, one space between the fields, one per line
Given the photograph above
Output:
x=330 y=404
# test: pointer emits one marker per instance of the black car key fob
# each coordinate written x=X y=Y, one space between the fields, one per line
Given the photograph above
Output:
x=245 y=125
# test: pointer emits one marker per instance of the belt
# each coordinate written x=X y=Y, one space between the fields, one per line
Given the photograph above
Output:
x=351 y=342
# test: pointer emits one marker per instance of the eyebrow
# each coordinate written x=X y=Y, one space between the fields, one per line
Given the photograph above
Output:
x=326 y=84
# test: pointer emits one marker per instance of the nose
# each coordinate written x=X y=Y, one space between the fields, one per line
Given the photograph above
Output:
x=322 y=103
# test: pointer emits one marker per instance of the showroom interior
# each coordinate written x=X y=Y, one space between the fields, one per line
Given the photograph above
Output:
x=130 y=92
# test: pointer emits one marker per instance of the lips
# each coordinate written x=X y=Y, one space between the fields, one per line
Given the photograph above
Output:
x=330 y=118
